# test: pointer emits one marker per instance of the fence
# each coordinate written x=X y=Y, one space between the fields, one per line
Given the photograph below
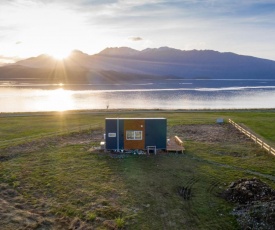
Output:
x=253 y=137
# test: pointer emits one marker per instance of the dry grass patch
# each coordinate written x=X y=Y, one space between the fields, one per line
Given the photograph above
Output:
x=209 y=133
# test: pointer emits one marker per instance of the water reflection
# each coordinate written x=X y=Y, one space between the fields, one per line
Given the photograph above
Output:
x=57 y=100
x=28 y=100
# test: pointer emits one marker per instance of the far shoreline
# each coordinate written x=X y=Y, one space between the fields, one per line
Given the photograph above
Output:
x=130 y=111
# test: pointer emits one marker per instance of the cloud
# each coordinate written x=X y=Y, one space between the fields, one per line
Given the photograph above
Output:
x=7 y=60
x=135 y=39
x=242 y=26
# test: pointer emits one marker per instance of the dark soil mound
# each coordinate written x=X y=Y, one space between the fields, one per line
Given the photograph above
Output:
x=247 y=190
x=255 y=203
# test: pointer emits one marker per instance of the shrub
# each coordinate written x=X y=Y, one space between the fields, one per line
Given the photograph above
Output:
x=120 y=222
x=91 y=216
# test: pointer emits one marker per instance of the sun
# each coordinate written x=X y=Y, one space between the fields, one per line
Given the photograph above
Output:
x=59 y=54
x=50 y=29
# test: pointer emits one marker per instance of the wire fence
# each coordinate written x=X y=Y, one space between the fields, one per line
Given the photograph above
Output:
x=65 y=131
x=253 y=137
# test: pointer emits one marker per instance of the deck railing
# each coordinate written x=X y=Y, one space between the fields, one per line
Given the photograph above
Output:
x=178 y=141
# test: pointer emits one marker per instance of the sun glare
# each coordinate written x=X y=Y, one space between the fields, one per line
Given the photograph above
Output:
x=59 y=54
x=46 y=28
x=59 y=100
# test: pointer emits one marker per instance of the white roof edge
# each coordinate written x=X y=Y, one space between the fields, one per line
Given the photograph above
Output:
x=132 y=118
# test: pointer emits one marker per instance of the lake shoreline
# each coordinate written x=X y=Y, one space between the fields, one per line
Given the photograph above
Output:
x=125 y=111
x=166 y=95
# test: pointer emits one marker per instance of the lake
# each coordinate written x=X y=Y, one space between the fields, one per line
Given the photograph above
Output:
x=171 y=94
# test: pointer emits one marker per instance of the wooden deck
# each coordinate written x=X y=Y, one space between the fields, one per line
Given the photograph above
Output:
x=174 y=146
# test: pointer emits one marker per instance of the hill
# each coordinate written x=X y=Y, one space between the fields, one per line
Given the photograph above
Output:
x=189 y=64
x=127 y=65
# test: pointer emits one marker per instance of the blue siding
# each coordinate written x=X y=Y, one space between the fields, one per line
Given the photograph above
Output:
x=155 y=133
x=111 y=127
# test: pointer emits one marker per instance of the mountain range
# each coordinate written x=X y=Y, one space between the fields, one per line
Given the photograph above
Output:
x=116 y=65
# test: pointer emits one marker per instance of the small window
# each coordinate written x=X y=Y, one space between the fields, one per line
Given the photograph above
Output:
x=133 y=135
x=111 y=134
x=130 y=135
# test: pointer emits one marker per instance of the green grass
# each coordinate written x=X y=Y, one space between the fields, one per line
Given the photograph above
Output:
x=262 y=123
x=23 y=125
x=28 y=126
x=136 y=192
x=141 y=190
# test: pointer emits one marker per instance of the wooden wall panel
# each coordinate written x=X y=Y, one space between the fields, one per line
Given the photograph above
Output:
x=134 y=125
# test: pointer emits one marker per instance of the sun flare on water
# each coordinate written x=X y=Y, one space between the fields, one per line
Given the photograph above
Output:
x=59 y=100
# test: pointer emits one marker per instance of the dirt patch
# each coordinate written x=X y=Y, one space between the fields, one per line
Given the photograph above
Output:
x=212 y=133
x=255 y=202
x=84 y=137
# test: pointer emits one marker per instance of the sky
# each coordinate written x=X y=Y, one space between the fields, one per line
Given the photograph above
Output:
x=56 y=27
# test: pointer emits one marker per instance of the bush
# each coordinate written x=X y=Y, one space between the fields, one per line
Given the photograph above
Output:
x=120 y=222
x=91 y=216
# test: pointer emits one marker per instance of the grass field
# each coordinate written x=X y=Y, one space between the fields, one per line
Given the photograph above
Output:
x=50 y=179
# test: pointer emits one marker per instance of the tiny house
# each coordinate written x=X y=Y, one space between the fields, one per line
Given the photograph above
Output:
x=135 y=133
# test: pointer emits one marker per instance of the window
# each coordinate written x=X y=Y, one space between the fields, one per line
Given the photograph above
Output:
x=111 y=134
x=133 y=135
